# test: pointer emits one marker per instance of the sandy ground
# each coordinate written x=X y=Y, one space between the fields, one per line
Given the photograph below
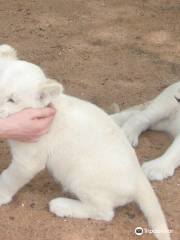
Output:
x=104 y=51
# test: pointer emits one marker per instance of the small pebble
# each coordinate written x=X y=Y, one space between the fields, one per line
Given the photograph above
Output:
x=32 y=205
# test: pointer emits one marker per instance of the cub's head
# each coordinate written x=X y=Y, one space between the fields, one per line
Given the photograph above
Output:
x=24 y=85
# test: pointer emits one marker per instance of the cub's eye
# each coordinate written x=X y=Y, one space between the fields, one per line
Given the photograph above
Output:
x=11 y=100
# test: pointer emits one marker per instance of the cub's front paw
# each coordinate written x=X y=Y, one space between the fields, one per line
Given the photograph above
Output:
x=132 y=136
x=4 y=199
x=158 y=169
x=60 y=207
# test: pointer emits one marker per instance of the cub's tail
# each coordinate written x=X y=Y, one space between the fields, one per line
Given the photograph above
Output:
x=6 y=51
x=151 y=208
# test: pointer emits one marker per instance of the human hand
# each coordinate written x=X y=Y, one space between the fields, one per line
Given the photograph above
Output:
x=28 y=125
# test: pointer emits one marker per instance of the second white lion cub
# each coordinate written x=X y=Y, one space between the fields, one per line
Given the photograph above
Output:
x=85 y=150
x=160 y=114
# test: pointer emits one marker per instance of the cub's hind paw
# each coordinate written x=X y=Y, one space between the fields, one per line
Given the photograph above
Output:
x=157 y=170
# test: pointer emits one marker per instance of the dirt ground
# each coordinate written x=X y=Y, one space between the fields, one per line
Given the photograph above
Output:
x=104 y=51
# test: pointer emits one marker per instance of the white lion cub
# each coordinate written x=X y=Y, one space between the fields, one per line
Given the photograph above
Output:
x=85 y=150
x=160 y=114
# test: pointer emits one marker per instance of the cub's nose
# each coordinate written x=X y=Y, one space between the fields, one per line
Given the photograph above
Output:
x=177 y=98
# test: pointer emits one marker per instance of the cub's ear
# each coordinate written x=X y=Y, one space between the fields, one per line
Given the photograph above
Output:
x=50 y=89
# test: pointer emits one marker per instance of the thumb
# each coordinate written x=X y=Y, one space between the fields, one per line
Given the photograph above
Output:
x=44 y=112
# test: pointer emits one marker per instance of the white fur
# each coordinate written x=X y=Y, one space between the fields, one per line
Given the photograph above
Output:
x=161 y=114
x=7 y=51
x=84 y=150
